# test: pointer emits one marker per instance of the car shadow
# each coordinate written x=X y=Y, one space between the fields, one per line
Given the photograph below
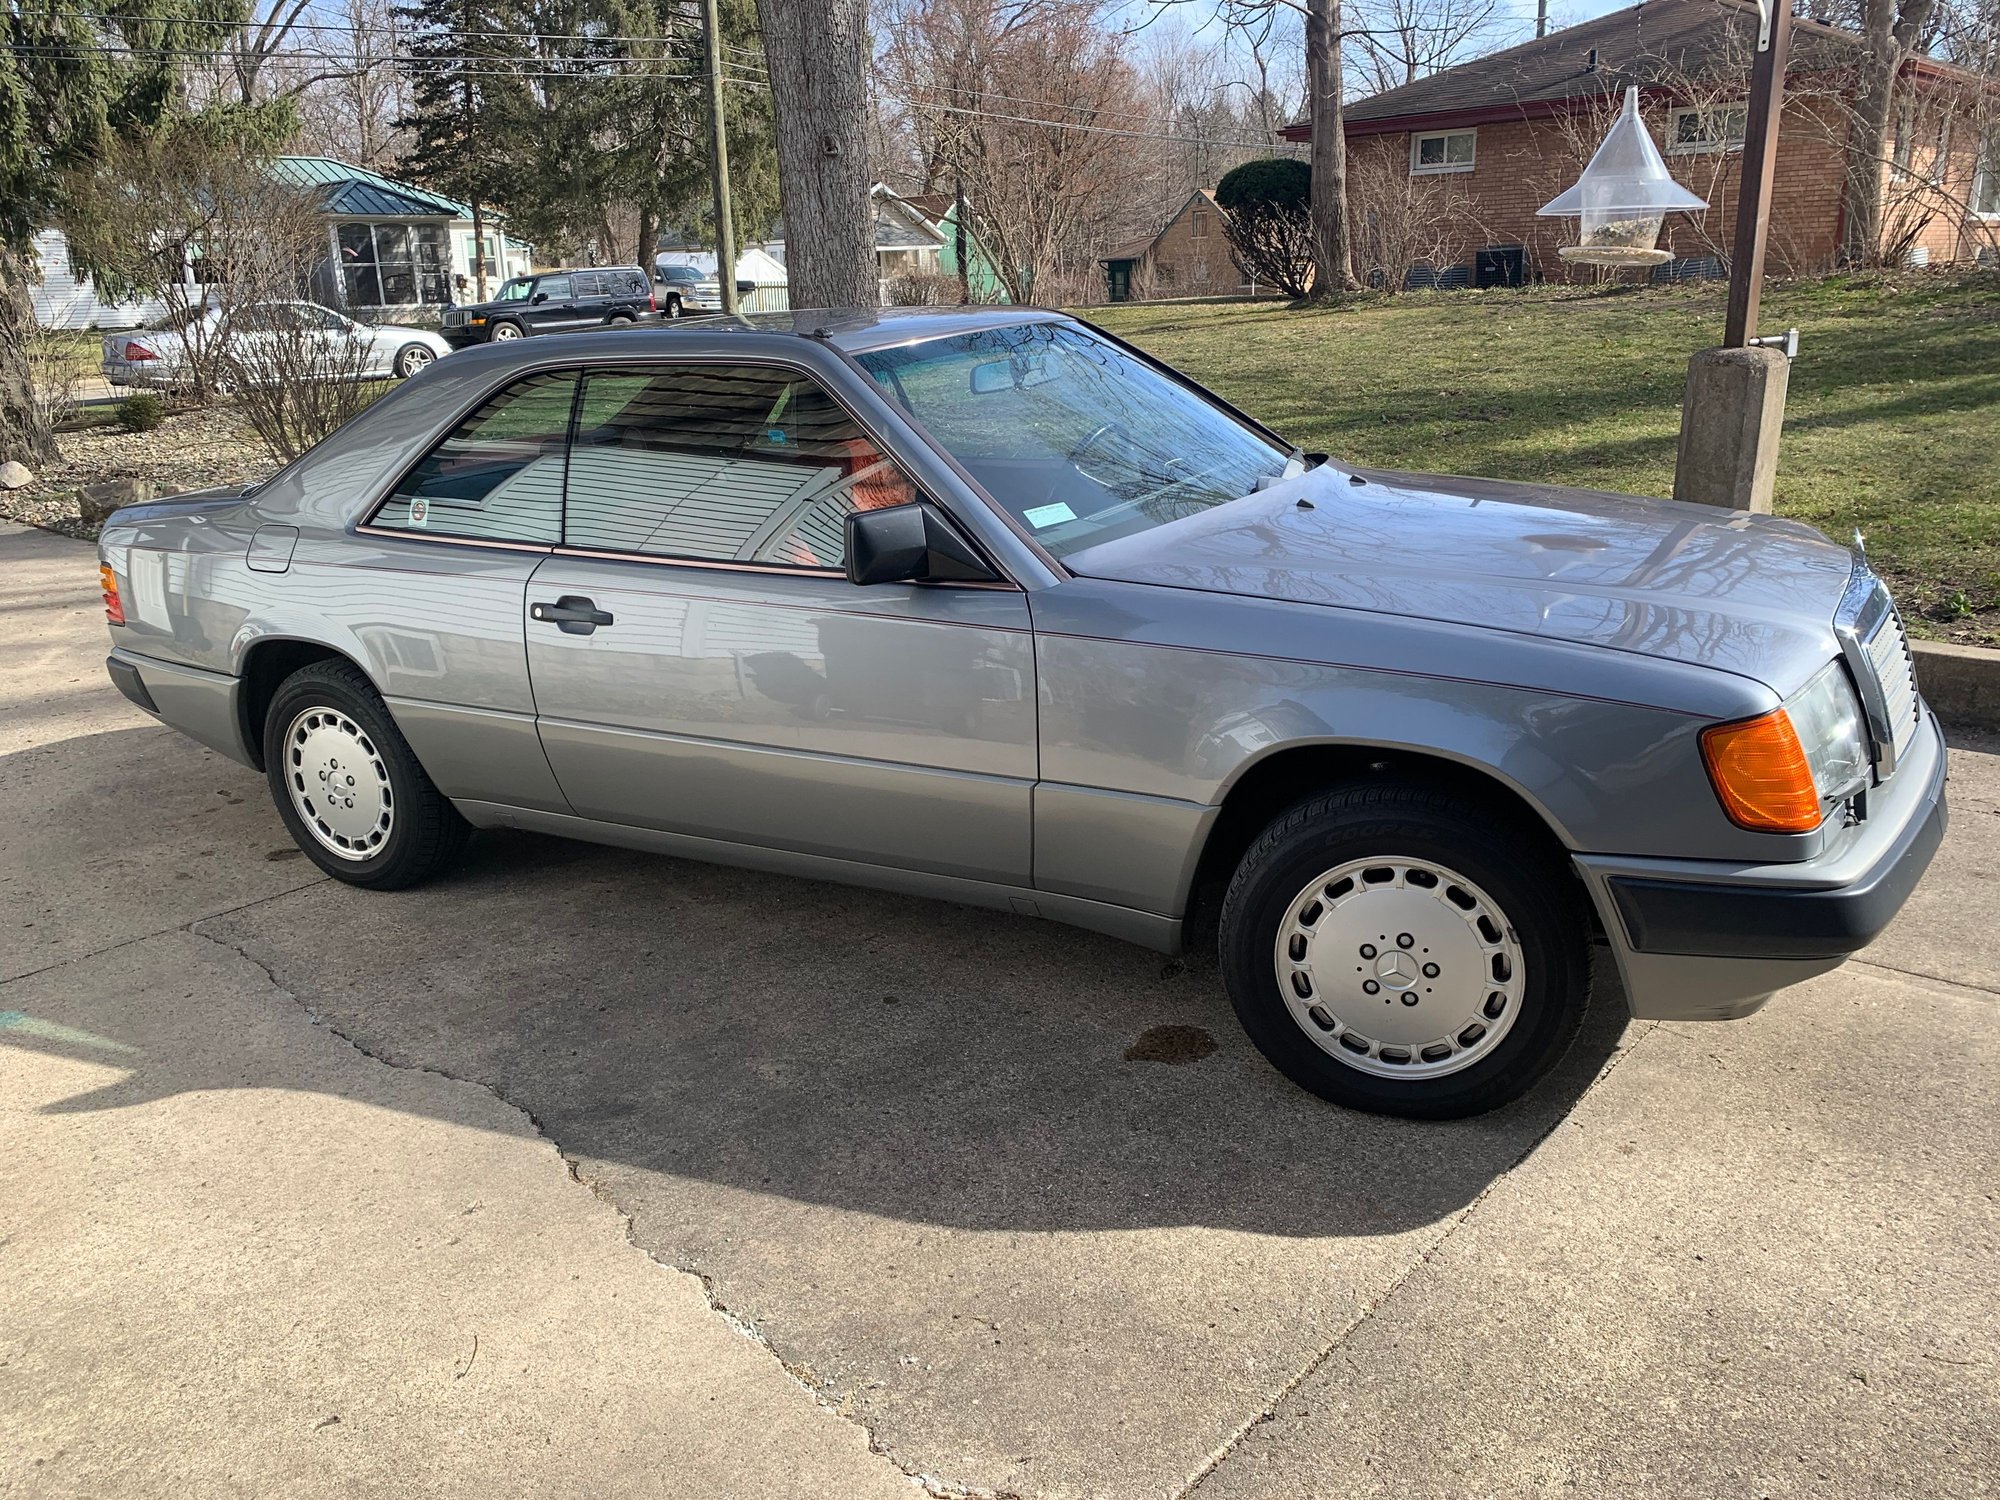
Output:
x=910 y=1059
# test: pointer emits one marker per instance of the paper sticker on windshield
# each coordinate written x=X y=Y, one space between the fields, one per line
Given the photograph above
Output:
x=1048 y=515
x=420 y=512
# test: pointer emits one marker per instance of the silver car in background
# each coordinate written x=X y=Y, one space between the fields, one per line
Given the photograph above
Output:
x=985 y=605
x=165 y=357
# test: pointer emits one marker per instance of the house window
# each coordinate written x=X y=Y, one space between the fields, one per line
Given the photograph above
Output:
x=1986 y=185
x=1714 y=128
x=394 y=265
x=490 y=257
x=1443 y=151
x=1199 y=225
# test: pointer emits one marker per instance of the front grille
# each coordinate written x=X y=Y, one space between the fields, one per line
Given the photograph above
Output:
x=1888 y=652
x=453 y=318
x=1878 y=654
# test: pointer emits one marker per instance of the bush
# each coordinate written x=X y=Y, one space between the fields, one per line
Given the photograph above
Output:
x=141 y=413
x=1267 y=205
x=921 y=289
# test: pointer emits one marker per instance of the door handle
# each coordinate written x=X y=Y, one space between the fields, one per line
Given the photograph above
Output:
x=572 y=614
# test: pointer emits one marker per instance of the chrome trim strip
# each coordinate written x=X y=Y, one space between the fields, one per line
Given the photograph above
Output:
x=1865 y=608
x=369 y=528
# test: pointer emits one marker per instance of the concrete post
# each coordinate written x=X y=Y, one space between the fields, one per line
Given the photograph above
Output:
x=1730 y=421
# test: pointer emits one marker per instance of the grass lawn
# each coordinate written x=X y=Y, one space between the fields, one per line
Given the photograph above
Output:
x=1893 y=423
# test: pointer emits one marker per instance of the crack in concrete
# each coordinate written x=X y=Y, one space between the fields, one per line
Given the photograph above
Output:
x=1269 y=1411
x=942 y=1489
x=1939 y=980
x=147 y=937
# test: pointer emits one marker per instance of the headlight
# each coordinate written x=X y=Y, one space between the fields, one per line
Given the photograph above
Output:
x=1781 y=771
x=1827 y=717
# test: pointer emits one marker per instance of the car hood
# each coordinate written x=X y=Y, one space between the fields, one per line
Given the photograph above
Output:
x=1751 y=594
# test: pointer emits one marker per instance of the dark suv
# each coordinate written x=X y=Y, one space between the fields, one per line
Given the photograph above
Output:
x=555 y=302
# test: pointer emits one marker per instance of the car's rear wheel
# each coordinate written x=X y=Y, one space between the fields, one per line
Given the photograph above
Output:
x=504 y=333
x=350 y=791
x=616 y=318
x=1397 y=948
x=414 y=357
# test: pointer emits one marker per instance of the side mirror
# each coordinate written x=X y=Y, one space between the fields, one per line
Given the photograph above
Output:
x=912 y=543
x=539 y=297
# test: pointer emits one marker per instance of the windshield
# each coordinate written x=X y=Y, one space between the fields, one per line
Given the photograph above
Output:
x=515 y=290
x=1080 y=440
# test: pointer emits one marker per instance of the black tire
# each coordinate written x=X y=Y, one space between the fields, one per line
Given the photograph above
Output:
x=425 y=832
x=505 y=332
x=412 y=358
x=617 y=318
x=671 y=308
x=1518 y=867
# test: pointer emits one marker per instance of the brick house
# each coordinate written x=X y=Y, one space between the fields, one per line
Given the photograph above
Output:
x=1445 y=173
x=1189 y=257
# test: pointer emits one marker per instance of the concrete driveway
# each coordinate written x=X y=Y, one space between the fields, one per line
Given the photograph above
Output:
x=582 y=1172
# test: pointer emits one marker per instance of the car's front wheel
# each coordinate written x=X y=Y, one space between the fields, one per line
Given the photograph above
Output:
x=1398 y=948
x=504 y=333
x=347 y=785
x=671 y=308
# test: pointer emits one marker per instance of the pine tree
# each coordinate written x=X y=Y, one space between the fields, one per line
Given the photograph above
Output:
x=465 y=62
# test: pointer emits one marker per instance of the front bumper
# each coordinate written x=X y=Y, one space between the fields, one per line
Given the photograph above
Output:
x=1697 y=940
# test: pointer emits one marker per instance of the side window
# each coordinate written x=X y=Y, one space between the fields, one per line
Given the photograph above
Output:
x=499 y=475
x=726 y=463
x=588 y=284
x=555 y=288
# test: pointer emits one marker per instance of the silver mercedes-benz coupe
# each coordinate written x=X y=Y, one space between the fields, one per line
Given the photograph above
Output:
x=988 y=606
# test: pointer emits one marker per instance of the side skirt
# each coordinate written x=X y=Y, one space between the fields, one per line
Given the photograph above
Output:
x=1147 y=929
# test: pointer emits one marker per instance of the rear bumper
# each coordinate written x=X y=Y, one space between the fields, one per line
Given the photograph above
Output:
x=200 y=704
x=1696 y=941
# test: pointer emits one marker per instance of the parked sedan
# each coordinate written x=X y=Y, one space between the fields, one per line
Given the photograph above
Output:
x=167 y=356
x=986 y=605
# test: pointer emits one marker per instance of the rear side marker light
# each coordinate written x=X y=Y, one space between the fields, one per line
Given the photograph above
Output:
x=1760 y=773
x=108 y=581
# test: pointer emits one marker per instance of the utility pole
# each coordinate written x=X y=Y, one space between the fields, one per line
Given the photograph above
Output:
x=718 y=158
x=958 y=231
x=1541 y=19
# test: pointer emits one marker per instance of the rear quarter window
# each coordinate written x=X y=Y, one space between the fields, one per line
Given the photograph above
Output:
x=498 y=475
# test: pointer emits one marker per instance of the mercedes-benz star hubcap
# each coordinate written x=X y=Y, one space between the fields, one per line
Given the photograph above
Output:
x=1401 y=968
x=339 y=783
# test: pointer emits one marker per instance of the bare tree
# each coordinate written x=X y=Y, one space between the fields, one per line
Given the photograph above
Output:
x=353 y=94
x=817 y=52
x=1890 y=32
x=1394 y=42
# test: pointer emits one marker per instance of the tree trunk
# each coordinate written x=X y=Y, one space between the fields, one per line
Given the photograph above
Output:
x=1332 y=255
x=817 y=54
x=649 y=235
x=479 y=250
x=24 y=436
x=1890 y=30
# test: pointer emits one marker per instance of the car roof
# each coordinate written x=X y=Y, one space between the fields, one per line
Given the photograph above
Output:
x=859 y=329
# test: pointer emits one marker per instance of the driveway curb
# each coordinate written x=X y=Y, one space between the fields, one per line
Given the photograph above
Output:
x=1961 y=683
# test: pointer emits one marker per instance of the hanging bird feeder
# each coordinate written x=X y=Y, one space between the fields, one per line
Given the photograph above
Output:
x=1623 y=197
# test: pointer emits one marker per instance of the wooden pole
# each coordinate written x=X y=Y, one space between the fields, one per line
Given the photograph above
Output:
x=1753 y=195
x=718 y=157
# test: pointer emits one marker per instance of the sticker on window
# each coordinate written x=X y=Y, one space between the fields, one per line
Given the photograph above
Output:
x=420 y=511
x=1048 y=515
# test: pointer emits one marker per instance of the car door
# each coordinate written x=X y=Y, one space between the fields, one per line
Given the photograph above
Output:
x=701 y=665
x=434 y=582
x=551 y=305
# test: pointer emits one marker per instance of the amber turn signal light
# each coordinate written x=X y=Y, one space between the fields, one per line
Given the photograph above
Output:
x=1760 y=772
x=108 y=581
